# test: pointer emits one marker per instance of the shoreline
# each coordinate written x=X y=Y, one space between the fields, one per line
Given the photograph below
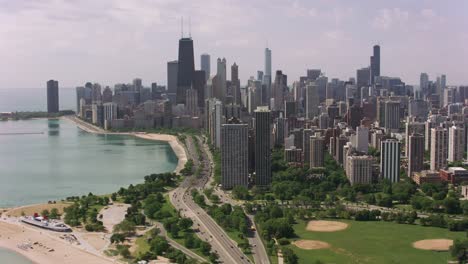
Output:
x=172 y=140
x=13 y=233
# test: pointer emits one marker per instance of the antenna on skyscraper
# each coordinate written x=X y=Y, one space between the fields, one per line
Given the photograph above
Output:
x=182 y=27
x=190 y=27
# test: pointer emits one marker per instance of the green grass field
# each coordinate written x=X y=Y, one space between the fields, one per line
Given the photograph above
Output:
x=374 y=242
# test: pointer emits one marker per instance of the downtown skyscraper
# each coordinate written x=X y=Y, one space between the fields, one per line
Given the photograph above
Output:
x=205 y=65
x=375 y=64
x=186 y=68
x=52 y=96
x=262 y=146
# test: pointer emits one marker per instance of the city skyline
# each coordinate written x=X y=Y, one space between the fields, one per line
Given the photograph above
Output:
x=131 y=40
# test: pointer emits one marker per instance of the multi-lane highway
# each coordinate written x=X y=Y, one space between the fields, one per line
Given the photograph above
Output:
x=208 y=229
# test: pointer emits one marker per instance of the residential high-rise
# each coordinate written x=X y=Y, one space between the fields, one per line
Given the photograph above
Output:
x=439 y=148
x=392 y=116
x=456 y=143
x=186 y=67
x=375 y=64
x=52 y=97
x=262 y=147
x=205 y=65
x=390 y=160
x=362 y=139
x=359 y=169
x=312 y=101
x=191 y=102
x=411 y=127
x=214 y=112
x=306 y=134
x=317 y=151
x=415 y=153
x=80 y=93
x=234 y=154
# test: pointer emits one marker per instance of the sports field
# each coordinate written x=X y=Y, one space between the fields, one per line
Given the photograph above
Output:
x=373 y=242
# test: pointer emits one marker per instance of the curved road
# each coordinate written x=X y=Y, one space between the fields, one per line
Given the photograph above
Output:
x=209 y=230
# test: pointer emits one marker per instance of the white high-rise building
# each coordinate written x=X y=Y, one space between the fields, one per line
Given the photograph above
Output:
x=362 y=139
x=110 y=111
x=456 y=144
x=390 y=160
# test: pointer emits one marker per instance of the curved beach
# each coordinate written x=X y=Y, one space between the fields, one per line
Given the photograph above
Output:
x=42 y=246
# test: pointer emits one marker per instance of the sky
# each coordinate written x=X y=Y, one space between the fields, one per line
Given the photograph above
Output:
x=115 y=41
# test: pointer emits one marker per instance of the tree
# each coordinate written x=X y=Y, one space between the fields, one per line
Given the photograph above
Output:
x=205 y=248
x=185 y=223
x=117 y=238
x=213 y=257
x=159 y=245
x=123 y=251
x=45 y=213
x=289 y=256
x=452 y=205
x=126 y=227
x=240 y=192
x=54 y=213
x=175 y=230
x=458 y=250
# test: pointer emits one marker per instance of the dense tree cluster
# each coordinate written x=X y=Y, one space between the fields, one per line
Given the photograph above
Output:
x=154 y=183
x=84 y=212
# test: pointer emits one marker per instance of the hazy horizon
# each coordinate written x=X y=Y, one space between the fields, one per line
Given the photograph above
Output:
x=114 y=41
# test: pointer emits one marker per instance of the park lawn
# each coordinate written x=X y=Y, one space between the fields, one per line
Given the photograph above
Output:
x=374 y=242
x=142 y=245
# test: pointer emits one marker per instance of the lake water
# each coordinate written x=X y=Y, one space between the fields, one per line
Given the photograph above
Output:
x=62 y=160
x=34 y=99
x=11 y=257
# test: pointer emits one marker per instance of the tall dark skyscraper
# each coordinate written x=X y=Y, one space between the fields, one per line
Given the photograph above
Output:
x=186 y=68
x=52 y=96
x=234 y=154
x=199 y=84
x=262 y=147
x=375 y=63
x=235 y=84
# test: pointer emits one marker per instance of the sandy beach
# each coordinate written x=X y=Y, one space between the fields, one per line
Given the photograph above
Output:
x=42 y=246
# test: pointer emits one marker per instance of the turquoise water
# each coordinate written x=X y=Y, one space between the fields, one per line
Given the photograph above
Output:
x=34 y=99
x=62 y=160
x=10 y=257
